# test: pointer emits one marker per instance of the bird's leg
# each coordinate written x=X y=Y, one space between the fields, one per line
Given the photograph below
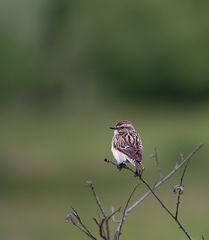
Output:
x=121 y=166
x=139 y=169
x=138 y=173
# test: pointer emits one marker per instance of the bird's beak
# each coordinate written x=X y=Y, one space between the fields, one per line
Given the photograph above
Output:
x=113 y=128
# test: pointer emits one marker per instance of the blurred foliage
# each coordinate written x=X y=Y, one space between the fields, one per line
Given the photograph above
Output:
x=133 y=50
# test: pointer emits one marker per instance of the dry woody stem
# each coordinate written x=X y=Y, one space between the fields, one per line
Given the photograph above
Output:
x=118 y=231
x=169 y=175
x=101 y=208
x=104 y=218
x=151 y=189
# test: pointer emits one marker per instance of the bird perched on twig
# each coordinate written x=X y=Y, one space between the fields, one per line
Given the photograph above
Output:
x=127 y=146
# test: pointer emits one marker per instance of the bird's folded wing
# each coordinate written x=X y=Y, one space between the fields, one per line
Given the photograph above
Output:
x=131 y=146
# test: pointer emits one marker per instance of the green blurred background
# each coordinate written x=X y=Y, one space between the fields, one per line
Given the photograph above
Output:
x=70 y=69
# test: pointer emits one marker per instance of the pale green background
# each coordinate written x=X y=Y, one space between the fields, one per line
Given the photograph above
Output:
x=69 y=70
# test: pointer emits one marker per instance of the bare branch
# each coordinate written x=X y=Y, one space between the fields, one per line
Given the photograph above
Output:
x=101 y=232
x=170 y=174
x=98 y=213
x=155 y=156
x=166 y=209
x=125 y=166
x=103 y=221
x=180 y=188
x=159 y=183
x=100 y=226
x=101 y=208
x=75 y=219
x=95 y=220
x=100 y=219
x=118 y=231
x=113 y=217
x=90 y=184
x=112 y=214
x=151 y=190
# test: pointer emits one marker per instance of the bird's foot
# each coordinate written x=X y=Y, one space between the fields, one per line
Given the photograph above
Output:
x=138 y=174
x=121 y=166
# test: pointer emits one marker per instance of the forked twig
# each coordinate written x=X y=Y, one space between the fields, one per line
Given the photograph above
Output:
x=75 y=219
x=101 y=208
x=101 y=231
x=155 y=156
x=166 y=209
x=100 y=219
x=106 y=220
x=103 y=222
x=112 y=214
x=118 y=231
x=169 y=175
x=113 y=217
x=180 y=189
x=90 y=184
x=151 y=190
x=160 y=182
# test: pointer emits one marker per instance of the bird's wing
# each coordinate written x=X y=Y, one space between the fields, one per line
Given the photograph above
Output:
x=130 y=145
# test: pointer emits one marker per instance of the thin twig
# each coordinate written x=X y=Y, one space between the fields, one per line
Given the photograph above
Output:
x=101 y=208
x=180 y=189
x=90 y=184
x=113 y=217
x=100 y=226
x=98 y=213
x=113 y=214
x=125 y=166
x=158 y=184
x=101 y=232
x=75 y=213
x=75 y=219
x=155 y=156
x=106 y=220
x=151 y=190
x=100 y=219
x=118 y=231
x=166 y=209
x=169 y=175
x=95 y=220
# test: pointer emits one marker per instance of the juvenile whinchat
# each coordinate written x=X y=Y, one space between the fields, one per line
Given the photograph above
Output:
x=127 y=145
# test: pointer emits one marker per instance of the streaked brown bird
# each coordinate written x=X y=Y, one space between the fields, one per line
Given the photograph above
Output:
x=127 y=146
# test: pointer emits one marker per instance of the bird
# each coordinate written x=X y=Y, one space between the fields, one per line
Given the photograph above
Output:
x=127 y=146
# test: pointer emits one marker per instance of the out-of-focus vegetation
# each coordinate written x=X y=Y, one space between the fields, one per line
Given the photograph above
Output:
x=69 y=69
x=143 y=49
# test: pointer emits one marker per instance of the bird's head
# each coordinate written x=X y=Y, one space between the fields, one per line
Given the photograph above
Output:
x=123 y=126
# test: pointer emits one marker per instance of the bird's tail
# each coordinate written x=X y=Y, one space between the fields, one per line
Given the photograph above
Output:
x=139 y=167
